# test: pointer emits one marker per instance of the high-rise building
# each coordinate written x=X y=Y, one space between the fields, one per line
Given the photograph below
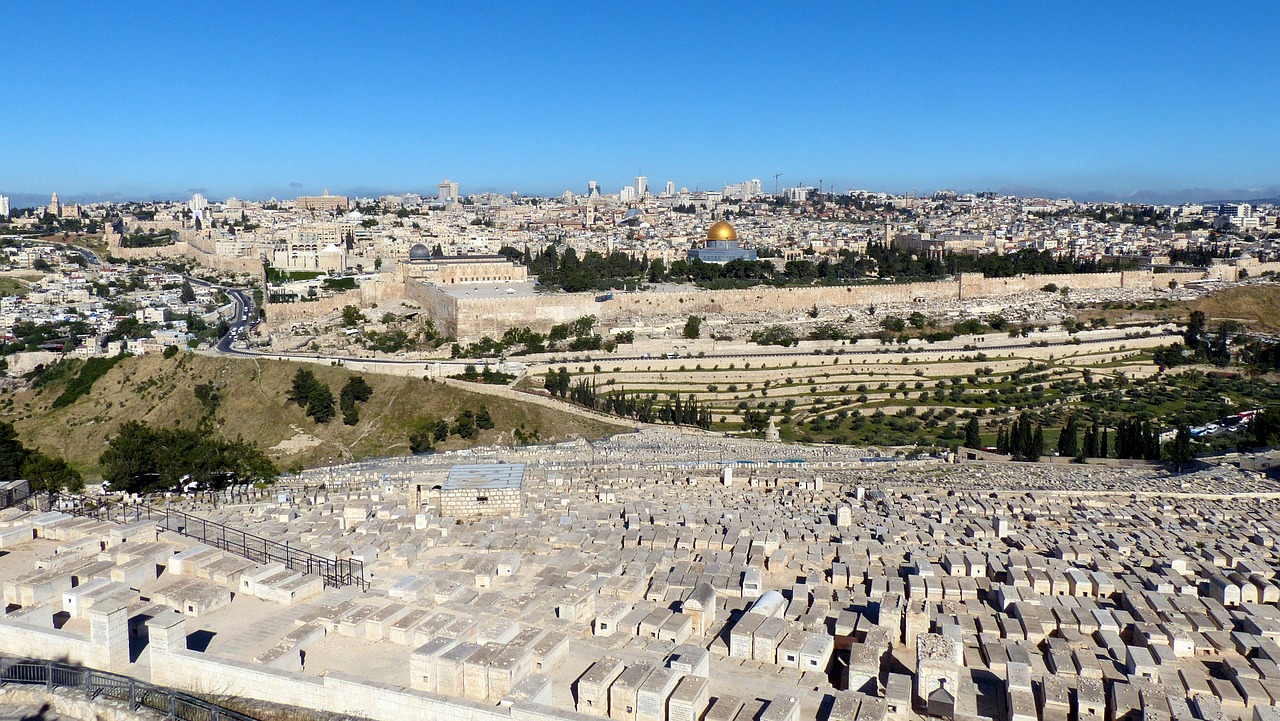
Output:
x=642 y=186
x=4 y=205
x=448 y=191
x=593 y=190
x=197 y=205
x=628 y=194
x=670 y=189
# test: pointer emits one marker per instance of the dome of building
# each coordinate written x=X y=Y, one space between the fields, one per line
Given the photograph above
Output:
x=722 y=230
x=419 y=252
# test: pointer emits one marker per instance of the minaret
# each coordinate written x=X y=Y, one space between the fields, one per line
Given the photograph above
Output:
x=55 y=208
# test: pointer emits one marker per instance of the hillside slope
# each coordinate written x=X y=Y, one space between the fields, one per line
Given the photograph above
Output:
x=252 y=405
x=1257 y=306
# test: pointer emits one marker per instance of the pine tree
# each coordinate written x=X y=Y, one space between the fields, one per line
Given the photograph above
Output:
x=1037 y=444
x=320 y=403
x=303 y=381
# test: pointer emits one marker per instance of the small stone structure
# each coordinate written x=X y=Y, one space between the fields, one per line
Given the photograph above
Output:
x=472 y=491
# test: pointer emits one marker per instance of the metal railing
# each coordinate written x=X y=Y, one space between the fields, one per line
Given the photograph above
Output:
x=335 y=572
x=14 y=493
x=101 y=684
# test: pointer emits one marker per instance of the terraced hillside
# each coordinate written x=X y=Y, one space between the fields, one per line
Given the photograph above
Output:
x=866 y=393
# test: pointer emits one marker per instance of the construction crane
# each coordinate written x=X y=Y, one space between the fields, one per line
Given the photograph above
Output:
x=775 y=184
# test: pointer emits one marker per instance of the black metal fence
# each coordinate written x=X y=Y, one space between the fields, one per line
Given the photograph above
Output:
x=335 y=572
x=14 y=493
x=101 y=684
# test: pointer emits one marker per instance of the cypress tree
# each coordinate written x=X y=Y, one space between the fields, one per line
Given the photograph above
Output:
x=1068 y=443
x=1091 y=441
x=972 y=439
x=1037 y=444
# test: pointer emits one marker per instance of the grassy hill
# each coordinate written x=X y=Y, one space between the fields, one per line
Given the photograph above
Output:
x=252 y=405
x=1257 y=306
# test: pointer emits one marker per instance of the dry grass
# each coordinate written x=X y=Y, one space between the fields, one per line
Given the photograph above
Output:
x=1257 y=306
x=160 y=392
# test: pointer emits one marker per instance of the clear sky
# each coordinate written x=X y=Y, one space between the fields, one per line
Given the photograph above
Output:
x=259 y=98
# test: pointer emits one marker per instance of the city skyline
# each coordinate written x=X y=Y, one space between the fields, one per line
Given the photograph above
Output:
x=1106 y=104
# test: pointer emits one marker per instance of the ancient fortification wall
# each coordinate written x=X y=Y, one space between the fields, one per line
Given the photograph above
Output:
x=365 y=295
x=471 y=318
x=184 y=250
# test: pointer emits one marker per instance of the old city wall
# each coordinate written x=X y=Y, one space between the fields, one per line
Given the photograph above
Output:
x=475 y=318
x=184 y=250
x=367 y=294
x=470 y=318
x=974 y=285
x=630 y=305
x=439 y=306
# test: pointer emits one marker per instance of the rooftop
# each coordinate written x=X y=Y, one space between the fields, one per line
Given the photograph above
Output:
x=485 y=476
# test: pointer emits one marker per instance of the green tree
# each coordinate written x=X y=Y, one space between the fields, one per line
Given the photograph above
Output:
x=422 y=436
x=1091 y=441
x=51 y=473
x=657 y=271
x=1195 y=329
x=756 y=421
x=12 y=453
x=972 y=437
x=187 y=294
x=465 y=425
x=351 y=316
x=140 y=458
x=170 y=351
x=1179 y=450
x=356 y=390
x=893 y=324
x=303 y=382
x=1037 y=444
x=130 y=455
x=320 y=403
x=483 y=420
x=692 y=327
x=1068 y=441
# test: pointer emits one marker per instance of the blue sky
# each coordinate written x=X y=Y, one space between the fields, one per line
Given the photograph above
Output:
x=254 y=99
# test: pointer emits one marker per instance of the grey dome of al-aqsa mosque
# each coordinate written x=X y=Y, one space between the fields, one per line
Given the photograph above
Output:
x=419 y=252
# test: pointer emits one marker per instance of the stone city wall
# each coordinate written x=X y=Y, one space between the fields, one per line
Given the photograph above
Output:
x=365 y=295
x=470 y=318
x=184 y=250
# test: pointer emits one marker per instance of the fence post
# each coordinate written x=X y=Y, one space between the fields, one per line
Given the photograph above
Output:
x=173 y=712
x=48 y=676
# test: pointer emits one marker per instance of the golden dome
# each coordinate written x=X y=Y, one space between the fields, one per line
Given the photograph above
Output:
x=722 y=230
